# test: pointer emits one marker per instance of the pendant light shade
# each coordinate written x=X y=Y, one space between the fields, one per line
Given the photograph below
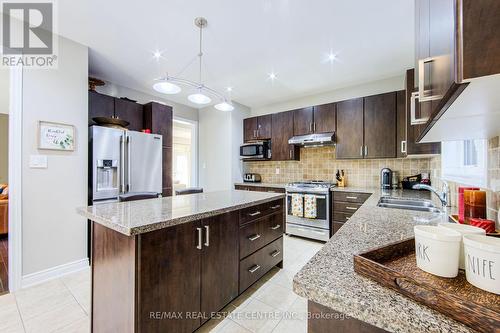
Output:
x=224 y=106
x=199 y=98
x=166 y=87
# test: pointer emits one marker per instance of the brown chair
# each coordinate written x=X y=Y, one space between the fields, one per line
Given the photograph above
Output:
x=4 y=210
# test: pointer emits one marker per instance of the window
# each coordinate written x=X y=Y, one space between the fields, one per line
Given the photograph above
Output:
x=465 y=162
x=184 y=154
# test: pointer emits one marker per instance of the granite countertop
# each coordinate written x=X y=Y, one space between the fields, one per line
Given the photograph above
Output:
x=136 y=217
x=329 y=278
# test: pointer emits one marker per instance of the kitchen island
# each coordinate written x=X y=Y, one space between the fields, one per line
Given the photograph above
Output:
x=169 y=264
x=332 y=287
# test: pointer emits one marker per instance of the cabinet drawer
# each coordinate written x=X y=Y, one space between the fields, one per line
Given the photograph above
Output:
x=345 y=207
x=350 y=197
x=341 y=216
x=255 y=235
x=255 y=212
x=255 y=266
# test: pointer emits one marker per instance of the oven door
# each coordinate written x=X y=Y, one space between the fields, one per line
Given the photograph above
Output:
x=322 y=211
x=252 y=150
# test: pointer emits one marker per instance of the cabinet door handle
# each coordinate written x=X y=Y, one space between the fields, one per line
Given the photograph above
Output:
x=347 y=218
x=207 y=234
x=310 y=126
x=403 y=146
x=314 y=127
x=253 y=237
x=258 y=133
x=254 y=214
x=366 y=150
x=277 y=206
x=254 y=269
x=351 y=208
x=413 y=110
x=199 y=238
x=290 y=153
x=361 y=151
x=275 y=253
x=276 y=227
x=352 y=198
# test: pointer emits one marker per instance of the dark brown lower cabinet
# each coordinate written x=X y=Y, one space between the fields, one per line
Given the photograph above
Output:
x=344 y=205
x=174 y=279
x=169 y=268
x=324 y=320
x=219 y=262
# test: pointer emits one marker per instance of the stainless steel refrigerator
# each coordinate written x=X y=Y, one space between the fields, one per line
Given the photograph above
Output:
x=122 y=163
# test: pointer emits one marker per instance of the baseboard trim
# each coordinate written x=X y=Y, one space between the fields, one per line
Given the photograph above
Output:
x=32 y=279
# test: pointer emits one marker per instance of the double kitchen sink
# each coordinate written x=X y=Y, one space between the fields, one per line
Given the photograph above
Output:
x=420 y=205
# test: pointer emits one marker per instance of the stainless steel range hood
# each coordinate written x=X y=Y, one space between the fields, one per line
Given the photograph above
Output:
x=313 y=140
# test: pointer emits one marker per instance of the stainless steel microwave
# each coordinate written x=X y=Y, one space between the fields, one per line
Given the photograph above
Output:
x=260 y=150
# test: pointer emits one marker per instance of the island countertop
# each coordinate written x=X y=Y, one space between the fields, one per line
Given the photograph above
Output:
x=329 y=278
x=136 y=217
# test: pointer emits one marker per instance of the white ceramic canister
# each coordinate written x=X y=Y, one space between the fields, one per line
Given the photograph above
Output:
x=463 y=229
x=437 y=250
x=482 y=262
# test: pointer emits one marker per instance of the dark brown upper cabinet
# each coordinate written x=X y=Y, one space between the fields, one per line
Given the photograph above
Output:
x=314 y=119
x=401 y=142
x=456 y=42
x=100 y=105
x=158 y=118
x=131 y=112
x=303 y=121
x=282 y=130
x=324 y=118
x=349 y=134
x=412 y=132
x=380 y=126
x=257 y=128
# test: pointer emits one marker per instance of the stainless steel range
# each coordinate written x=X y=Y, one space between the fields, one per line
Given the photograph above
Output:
x=308 y=209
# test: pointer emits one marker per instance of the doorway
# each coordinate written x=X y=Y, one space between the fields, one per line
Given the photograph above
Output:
x=185 y=161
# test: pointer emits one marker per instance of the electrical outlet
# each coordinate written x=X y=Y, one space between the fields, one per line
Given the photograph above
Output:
x=277 y=171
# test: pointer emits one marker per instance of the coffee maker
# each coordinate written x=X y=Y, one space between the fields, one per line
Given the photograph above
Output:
x=386 y=178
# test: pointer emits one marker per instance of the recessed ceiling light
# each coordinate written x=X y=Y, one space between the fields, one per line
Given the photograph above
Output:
x=157 y=54
x=272 y=76
x=229 y=89
x=332 y=57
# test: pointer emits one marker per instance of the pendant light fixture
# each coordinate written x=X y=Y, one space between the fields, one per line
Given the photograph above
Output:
x=169 y=84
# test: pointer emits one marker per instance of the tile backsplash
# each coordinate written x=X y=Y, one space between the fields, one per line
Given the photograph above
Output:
x=320 y=164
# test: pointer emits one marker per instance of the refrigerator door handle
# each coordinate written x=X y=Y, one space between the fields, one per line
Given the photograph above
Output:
x=128 y=165
x=122 y=164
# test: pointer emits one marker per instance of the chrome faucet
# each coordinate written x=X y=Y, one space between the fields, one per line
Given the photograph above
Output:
x=443 y=196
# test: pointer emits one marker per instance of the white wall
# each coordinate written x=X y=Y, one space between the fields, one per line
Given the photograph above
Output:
x=371 y=88
x=53 y=234
x=4 y=146
x=4 y=90
x=179 y=110
x=220 y=135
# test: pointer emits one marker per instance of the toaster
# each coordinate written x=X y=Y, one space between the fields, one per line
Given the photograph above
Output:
x=252 y=178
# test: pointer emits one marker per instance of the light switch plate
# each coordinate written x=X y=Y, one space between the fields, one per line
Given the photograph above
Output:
x=38 y=161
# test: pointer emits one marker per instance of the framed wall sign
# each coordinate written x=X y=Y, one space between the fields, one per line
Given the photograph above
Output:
x=55 y=136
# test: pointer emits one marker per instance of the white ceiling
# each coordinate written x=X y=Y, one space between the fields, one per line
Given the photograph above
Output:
x=244 y=41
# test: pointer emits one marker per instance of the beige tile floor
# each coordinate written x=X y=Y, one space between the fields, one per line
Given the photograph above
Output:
x=62 y=305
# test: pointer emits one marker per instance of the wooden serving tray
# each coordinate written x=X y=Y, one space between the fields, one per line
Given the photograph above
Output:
x=395 y=266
